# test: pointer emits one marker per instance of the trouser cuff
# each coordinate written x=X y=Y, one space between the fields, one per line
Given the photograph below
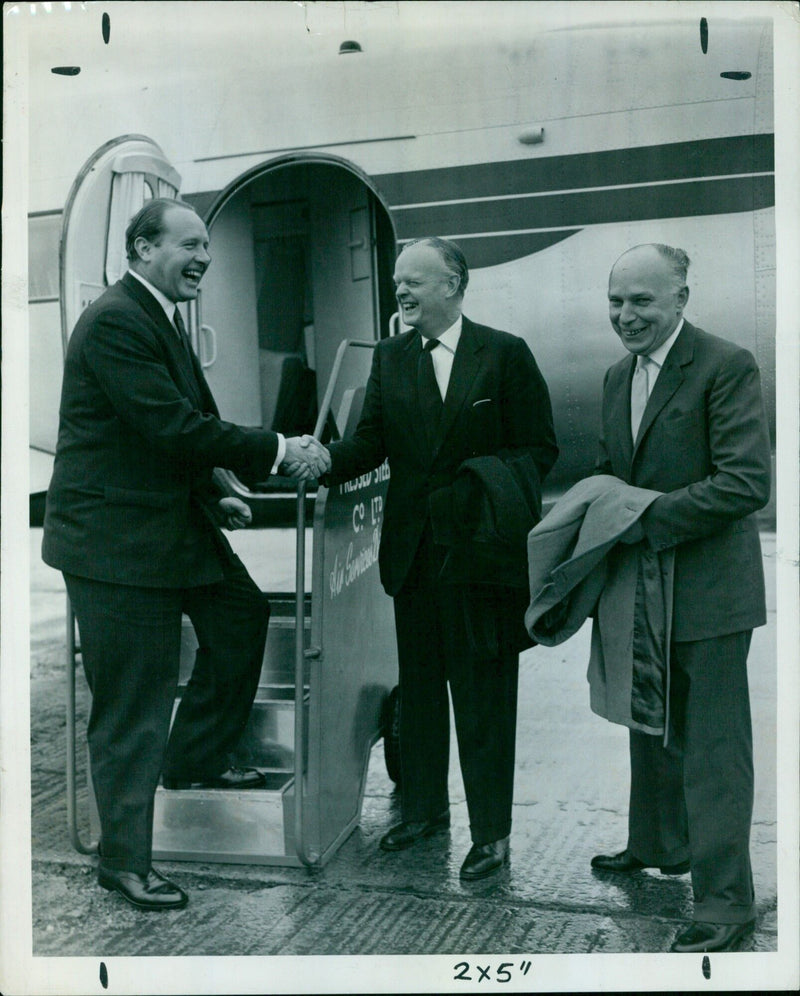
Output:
x=420 y=814
x=716 y=911
x=655 y=858
x=123 y=865
x=489 y=834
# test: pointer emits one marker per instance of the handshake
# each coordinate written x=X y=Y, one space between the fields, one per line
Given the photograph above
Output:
x=306 y=458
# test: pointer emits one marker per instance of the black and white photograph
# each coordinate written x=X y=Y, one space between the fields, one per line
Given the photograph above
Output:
x=399 y=583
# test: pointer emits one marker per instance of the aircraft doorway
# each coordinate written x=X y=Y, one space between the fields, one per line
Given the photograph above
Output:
x=302 y=257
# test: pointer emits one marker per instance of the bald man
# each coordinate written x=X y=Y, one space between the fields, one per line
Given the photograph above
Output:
x=683 y=414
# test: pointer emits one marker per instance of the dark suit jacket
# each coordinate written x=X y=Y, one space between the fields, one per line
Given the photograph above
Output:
x=131 y=499
x=703 y=441
x=497 y=403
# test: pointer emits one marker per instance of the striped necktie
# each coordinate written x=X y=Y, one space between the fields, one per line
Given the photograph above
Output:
x=640 y=392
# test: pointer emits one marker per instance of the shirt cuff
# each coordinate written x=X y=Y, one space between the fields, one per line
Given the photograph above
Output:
x=281 y=452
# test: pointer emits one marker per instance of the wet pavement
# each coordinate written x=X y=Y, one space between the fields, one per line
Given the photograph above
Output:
x=570 y=803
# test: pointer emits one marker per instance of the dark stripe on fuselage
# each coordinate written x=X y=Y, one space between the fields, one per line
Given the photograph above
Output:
x=486 y=250
x=672 y=200
x=645 y=164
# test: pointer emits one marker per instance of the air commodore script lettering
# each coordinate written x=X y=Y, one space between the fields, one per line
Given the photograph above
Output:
x=366 y=517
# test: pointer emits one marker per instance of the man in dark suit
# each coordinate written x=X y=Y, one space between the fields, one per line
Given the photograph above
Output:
x=133 y=522
x=478 y=393
x=683 y=414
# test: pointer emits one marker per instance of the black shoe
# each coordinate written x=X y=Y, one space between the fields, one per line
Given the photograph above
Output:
x=485 y=859
x=711 y=937
x=233 y=778
x=405 y=834
x=146 y=892
x=625 y=863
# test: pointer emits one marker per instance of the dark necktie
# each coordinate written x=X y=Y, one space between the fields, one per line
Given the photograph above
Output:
x=430 y=399
x=184 y=336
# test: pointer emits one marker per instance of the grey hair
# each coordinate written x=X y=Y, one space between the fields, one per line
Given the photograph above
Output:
x=678 y=260
x=452 y=257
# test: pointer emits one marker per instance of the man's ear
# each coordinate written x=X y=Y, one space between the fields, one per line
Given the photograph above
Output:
x=452 y=284
x=142 y=247
x=683 y=297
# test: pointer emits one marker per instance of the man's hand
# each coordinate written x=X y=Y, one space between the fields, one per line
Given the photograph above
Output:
x=305 y=459
x=235 y=513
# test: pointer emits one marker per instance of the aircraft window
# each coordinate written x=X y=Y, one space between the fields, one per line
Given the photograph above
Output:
x=44 y=235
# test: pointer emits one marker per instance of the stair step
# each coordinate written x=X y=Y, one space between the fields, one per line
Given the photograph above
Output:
x=225 y=824
x=282 y=605
x=268 y=738
x=276 y=780
x=279 y=694
x=279 y=654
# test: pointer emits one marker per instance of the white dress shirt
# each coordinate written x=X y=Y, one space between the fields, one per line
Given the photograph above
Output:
x=658 y=356
x=444 y=355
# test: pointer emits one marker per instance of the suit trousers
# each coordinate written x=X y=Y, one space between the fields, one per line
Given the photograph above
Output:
x=461 y=635
x=694 y=799
x=130 y=641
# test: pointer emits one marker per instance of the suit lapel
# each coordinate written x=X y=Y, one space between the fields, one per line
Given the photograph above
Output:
x=145 y=300
x=619 y=415
x=466 y=363
x=198 y=380
x=187 y=369
x=669 y=380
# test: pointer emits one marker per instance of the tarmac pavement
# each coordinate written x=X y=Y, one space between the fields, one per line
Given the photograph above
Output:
x=571 y=795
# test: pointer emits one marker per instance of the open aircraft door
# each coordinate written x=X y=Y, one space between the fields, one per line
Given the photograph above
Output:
x=352 y=660
x=110 y=188
x=301 y=248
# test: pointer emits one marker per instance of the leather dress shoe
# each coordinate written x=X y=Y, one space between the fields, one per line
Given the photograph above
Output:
x=700 y=936
x=625 y=862
x=406 y=834
x=233 y=778
x=485 y=859
x=146 y=892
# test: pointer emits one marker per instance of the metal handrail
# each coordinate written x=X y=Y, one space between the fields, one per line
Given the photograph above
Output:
x=301 y=655
x=209 y=335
